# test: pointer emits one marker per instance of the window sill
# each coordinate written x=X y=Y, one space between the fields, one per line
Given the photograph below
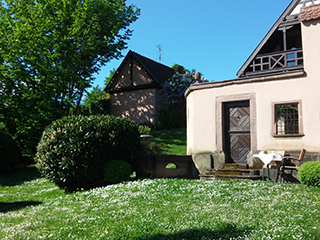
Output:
x=288 y=135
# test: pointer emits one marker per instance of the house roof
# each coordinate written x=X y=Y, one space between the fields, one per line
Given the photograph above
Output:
x=158 y=72
x=309 y=13
x=289 y=17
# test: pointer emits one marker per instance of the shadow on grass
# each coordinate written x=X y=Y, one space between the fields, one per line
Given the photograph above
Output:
x=170 y=136
x=224 y=231
x=19 y=175
x=7 y=207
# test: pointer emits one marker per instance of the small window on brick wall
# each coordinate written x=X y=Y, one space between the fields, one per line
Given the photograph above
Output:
x=287 y=119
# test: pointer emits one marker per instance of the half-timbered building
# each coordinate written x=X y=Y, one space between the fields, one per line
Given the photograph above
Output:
x=134 y=88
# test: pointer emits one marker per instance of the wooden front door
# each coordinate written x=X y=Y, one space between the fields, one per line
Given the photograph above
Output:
x=237 y=131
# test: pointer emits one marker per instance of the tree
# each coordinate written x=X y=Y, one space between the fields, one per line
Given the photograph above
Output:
x=173 y=107
x=49 y=51
x=174 y=88
x=179 y=69
x=108 y=79
x=96 y=94
x=96 y=102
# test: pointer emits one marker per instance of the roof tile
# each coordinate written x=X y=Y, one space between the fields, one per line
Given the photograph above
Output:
x=309 y=13
x=158 y=71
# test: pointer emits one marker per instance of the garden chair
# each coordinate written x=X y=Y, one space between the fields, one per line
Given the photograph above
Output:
x=275 y=163
x=291 y=163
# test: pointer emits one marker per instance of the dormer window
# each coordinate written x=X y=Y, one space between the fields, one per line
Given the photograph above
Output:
x=282 y=52
x=281 y=49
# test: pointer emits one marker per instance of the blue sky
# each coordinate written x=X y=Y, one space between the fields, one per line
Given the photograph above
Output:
x=211 y=36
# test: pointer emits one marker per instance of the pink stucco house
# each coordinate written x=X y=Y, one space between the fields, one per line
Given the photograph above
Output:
x=134 y=88
x=274 y=104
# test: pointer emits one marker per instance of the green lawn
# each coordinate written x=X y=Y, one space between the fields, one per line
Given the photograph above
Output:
x=173 y=141
x=33 y=208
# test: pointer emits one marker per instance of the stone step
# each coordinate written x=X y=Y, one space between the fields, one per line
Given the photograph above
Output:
x=229 y=177
x=235 y=166
x=231 y=173
x=234 y=172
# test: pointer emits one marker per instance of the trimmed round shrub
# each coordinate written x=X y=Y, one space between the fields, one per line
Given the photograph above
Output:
x=116 y=171
x=73 y=150
x=309 y=173
x=9 y=153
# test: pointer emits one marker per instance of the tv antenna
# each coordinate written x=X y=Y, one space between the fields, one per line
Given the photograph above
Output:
x=160 y=49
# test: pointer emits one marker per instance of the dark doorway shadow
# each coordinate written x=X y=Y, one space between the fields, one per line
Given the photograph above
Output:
x=225 y=231
x=12 y=206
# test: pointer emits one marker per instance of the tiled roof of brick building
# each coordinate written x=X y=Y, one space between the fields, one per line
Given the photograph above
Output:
x=158 y=72
x=309 y=13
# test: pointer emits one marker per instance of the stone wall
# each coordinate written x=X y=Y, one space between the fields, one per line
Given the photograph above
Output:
x=155 y=166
